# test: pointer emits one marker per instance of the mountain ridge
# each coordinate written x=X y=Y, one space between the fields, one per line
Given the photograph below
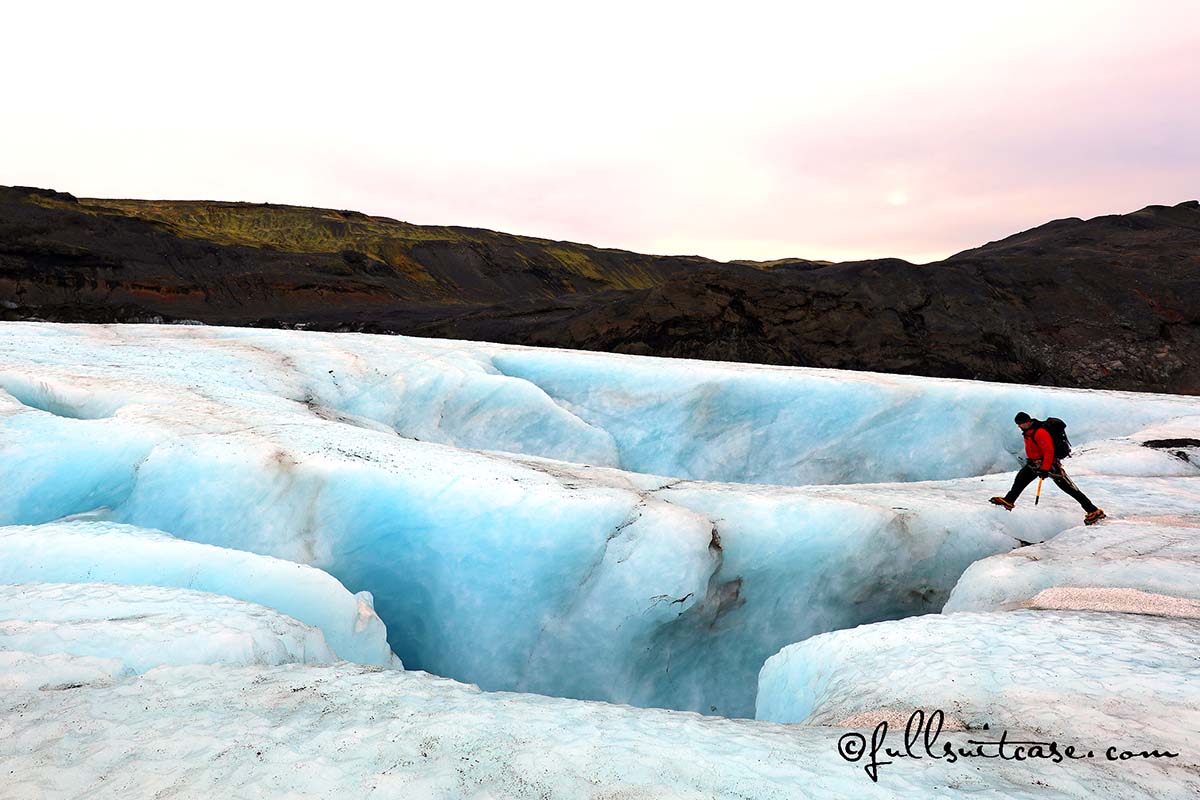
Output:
x=1108 y=302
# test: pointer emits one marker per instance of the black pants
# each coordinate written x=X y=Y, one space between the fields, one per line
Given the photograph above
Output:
x=1057 y=474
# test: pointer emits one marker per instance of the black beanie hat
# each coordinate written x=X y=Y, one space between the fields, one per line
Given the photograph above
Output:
x=1021 y=417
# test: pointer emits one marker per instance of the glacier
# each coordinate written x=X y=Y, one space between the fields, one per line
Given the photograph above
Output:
x=148 y=626
x=1001 y=668
x=1092 y=638
x=640 y=531
x=489 y=497
x=84 y=550
x=1160 y=555
x=339 y=730
x=1097 y=680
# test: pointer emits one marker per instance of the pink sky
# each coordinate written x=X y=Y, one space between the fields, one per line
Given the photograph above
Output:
x=755 y=130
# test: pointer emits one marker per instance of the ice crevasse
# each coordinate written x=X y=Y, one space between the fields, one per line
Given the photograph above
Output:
x=717 y=538
x=636 y=530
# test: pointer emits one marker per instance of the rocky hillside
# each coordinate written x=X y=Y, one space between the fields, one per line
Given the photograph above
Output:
x=1111 y=302
x=241 y=263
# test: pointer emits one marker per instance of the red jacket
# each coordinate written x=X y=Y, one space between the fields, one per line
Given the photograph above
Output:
x=1039 y=445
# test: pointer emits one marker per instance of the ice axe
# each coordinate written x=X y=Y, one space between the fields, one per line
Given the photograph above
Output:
x=1039 y=491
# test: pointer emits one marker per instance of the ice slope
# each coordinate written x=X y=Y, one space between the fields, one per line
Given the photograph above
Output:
x=94 y=550
x=1095 y=679
x=1157 y=555
x=797 y=562
x=21 y=671
x=530 y=573
x=534 y=563
x=1091 y=638
x=1151 y=662
x=539 y=577
x=792 y=426
x=344 y=730
x=688 y=419
x=143 y=627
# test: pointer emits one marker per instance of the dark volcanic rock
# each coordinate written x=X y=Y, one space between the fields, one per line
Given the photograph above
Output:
x=1167 y=443
x=1072 y=303
x=1112 y=302
x=235 y=263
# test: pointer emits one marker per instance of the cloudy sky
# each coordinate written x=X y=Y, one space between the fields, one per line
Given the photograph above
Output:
x=730 y=130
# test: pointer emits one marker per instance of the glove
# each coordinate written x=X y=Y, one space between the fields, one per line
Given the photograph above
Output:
x=1043 y=473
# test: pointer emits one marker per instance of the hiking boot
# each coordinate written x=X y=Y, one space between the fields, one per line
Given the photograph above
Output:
x=1092 y=517
x=1000 y=501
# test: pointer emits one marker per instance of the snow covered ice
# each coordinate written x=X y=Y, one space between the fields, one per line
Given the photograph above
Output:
x=599 y=527
x=1092 y=637
x=1160 y=556
x=345 y=730
x=1144 y=688
x=88 y=550
x=148 y=626
x=1098 y=680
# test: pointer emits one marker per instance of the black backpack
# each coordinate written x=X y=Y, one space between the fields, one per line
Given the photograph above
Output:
x=1058 y=432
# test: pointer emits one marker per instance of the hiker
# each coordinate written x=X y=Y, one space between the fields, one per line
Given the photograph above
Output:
x=1042 y=461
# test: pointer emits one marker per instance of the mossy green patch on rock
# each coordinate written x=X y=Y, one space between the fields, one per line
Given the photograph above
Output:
x=297 y=229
